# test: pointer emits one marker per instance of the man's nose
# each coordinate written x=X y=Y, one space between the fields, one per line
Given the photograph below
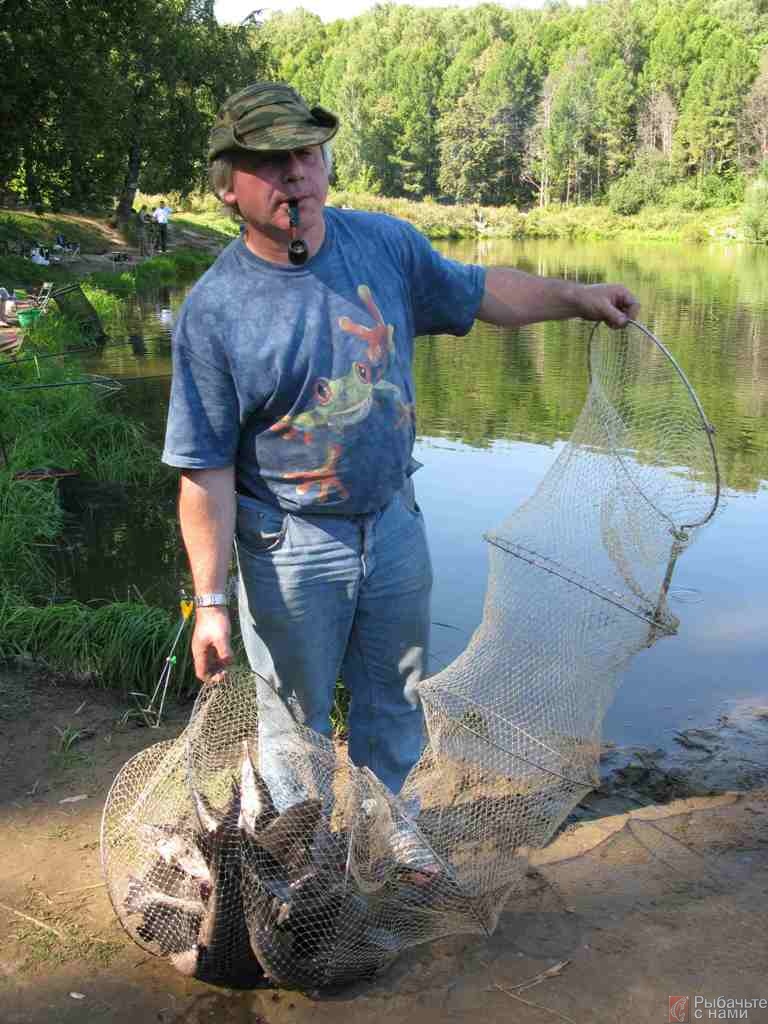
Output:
x=294 y=170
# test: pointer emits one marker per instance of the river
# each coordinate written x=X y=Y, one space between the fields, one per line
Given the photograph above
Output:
x=494 y=409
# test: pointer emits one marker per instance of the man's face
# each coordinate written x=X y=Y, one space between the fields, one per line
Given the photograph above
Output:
x=262 y=184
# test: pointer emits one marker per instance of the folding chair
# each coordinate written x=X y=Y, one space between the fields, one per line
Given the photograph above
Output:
x=39 y=301
x=44 y=295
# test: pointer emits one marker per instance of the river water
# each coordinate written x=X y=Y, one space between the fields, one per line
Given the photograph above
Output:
x=494 y=409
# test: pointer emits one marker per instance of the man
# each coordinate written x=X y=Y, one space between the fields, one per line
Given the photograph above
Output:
x=161 y=216
x=292 y=421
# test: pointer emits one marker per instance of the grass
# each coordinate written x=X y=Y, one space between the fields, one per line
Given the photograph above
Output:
x=30 y=518
x=91 y=233
x=442 y=221
x=213 y=225
x=69 y=426
x=179 y=265
x=340 y=711
x=59 y=938
x=121 y=644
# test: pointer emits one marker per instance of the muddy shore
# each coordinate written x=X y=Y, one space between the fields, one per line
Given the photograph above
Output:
x=657 y=885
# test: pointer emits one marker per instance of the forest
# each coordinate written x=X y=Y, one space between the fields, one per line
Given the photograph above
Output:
x=623 y=102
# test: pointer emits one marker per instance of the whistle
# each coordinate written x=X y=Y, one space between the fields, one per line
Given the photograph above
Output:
x=297 y=247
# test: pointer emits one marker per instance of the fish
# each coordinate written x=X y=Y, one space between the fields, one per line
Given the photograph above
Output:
x=259 y=906
x=257 y=809
x=209 y=820
x=204 y=937
x=179 y=851
x=168 y=921
x=222 y=951
x=276 y=861
x=285 y=844
x=141 y=894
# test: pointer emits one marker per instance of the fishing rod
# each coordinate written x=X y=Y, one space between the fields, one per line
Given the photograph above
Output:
x=109 y=383
x=70 y=352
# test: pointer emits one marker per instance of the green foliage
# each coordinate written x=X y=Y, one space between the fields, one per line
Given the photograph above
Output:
x=21 y=226
x=485 y=106
x=30 y=519
x=644 y=184
x=754 y=214
x=96 y=95
x=121 y=645
x=705 y=191
x=179 y=265
x=72 y=427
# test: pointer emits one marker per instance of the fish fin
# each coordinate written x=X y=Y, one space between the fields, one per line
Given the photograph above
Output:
x=208 y=818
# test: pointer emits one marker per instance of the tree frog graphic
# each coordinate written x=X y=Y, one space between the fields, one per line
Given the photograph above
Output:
x=338 y=404
x=325 y=476
x=344 y=401
x=380 y=340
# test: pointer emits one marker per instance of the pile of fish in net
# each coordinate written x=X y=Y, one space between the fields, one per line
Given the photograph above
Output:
x=315 y=875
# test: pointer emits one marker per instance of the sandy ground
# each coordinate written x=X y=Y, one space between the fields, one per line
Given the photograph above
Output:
x=628 y=906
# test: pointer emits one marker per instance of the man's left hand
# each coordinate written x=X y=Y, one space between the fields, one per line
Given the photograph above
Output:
x=613 y=304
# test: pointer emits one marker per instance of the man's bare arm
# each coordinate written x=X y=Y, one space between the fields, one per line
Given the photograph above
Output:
x=513 y=298
x=207 y=517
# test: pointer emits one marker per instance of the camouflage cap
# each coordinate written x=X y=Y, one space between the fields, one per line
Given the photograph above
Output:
x=268 y=116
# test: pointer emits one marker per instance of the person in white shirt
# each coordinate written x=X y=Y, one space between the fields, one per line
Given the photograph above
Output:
x=161 y=216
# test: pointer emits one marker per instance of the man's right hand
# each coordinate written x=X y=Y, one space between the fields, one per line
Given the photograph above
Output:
x=212 y=644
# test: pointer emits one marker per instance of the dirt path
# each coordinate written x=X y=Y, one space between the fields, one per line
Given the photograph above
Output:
x=643 y=903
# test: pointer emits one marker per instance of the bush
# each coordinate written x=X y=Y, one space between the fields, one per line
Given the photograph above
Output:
x=754 y=213
x=706 y=192
x=644 y=183
x=695 y=233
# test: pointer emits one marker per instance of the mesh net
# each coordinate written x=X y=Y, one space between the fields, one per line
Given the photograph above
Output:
x=324 y=876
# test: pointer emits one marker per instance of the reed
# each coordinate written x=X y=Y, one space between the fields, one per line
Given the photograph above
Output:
x=120 y=645
x=30 y=521
x=179 y=265
x=72 y=426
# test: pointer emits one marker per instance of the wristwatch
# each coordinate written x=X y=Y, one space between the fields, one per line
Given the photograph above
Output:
x=210 y=600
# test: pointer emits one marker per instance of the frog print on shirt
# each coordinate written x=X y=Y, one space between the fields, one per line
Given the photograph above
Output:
x=344 y=401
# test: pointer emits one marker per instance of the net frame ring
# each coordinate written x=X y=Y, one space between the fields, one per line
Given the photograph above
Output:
x=679 y=531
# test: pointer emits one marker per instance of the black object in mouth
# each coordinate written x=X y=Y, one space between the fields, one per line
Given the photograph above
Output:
x=298 y=250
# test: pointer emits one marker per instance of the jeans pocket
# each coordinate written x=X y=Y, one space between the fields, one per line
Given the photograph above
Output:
x=260 y=527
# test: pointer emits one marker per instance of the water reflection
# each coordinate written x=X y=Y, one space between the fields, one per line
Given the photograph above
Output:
x=493 y=410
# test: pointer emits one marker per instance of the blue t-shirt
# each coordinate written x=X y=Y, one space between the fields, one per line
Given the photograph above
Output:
x=301 y=377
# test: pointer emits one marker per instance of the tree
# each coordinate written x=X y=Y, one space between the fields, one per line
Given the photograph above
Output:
x=482 y=138
x=172 y=90
x=707 y=135
x=753 y=122
x=615 y=101
x=656 y=124
x=562 y=146
x=97 y=92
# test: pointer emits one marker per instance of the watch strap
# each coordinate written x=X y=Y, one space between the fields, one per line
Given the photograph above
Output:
x=210 y=600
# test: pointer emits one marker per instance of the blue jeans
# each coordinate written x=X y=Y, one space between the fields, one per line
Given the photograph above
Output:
x=323 y=596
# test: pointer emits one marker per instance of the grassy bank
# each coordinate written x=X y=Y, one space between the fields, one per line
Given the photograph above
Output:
x=55 y=416
x=669 y=224
x=440 y=221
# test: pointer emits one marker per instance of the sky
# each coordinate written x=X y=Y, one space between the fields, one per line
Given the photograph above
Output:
x=236 y=10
